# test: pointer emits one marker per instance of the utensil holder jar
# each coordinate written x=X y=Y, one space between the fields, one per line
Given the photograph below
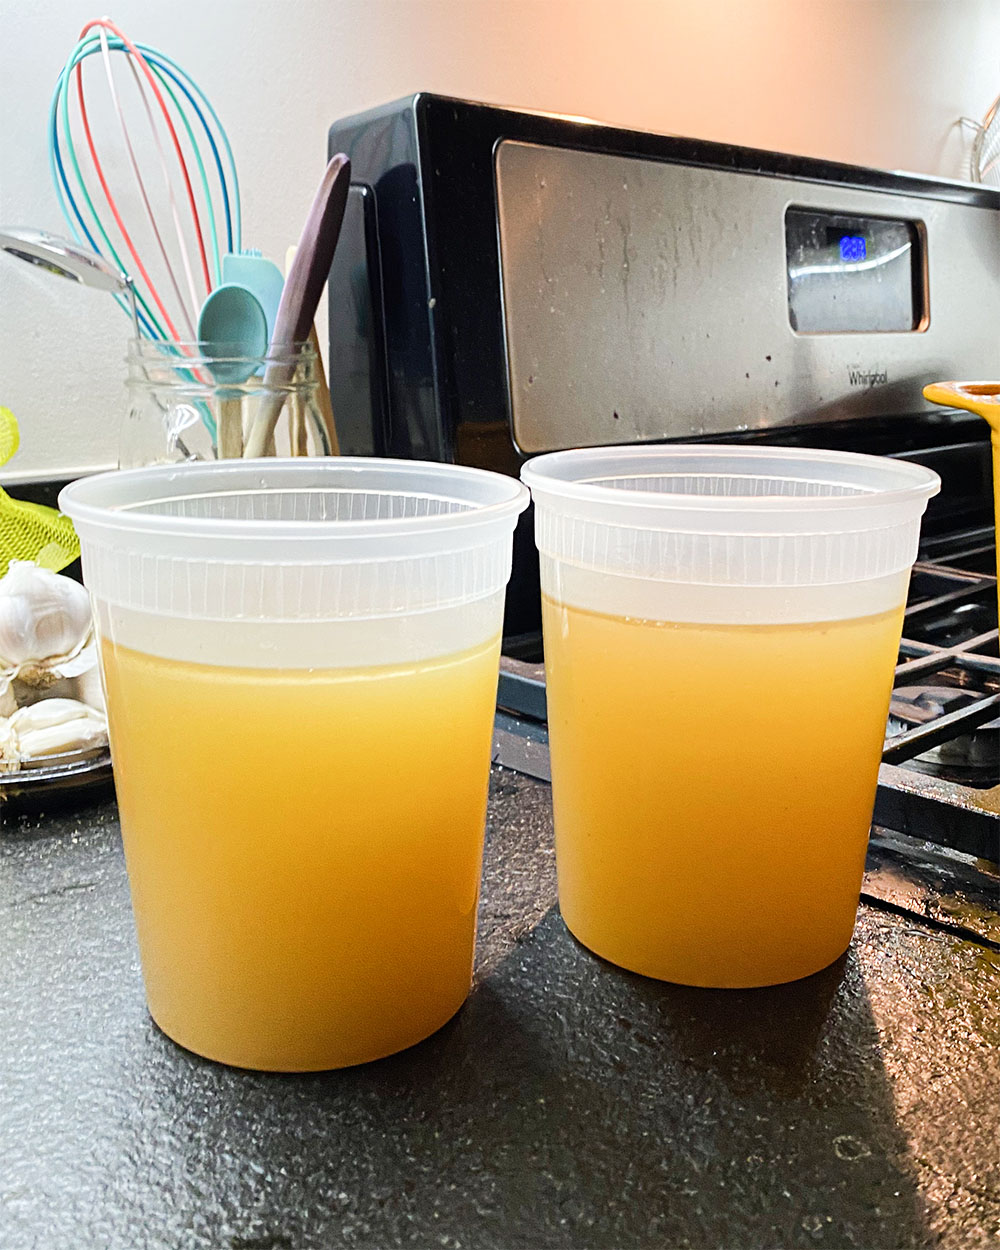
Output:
x=179 y=411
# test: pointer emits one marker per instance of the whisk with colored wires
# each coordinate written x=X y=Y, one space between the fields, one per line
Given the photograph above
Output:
x=178 y=159
x=984 y=159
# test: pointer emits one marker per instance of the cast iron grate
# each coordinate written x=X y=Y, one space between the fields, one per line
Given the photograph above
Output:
x=940 y=777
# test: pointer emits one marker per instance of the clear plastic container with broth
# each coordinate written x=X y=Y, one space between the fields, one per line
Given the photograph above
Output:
x=721 y=629
x=300 y=661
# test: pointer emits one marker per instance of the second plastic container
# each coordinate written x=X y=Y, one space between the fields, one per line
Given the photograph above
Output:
x=300 y=660
x=721 y=628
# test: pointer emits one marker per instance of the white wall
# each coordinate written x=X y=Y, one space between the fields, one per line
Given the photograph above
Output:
x=879 y=82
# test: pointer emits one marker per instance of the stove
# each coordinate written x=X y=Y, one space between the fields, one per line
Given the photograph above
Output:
x=940 y=777
x=509 y=283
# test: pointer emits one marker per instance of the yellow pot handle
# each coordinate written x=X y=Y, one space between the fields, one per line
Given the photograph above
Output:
x=982 y=398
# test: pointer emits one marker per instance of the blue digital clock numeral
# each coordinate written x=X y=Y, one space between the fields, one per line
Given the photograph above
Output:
x=852 y=247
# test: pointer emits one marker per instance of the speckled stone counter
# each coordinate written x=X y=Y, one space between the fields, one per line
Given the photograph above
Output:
x=569 y=1104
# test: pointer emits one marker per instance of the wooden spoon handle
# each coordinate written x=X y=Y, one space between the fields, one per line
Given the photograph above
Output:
x=323 y=398
x=303 y=289
x=230 y=427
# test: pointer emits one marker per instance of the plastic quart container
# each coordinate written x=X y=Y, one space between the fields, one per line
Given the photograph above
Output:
x=721 y=629
x=300 y=659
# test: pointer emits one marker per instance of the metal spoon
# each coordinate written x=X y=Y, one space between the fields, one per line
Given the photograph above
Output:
x=67 y=259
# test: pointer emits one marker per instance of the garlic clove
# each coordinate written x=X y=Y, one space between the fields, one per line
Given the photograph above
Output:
x=48 y=712
x=10 y=755
x=50 y=727
x=8 y=700
x=77 y=662
x=42 y=614
x=89 y=689
x=74 y=735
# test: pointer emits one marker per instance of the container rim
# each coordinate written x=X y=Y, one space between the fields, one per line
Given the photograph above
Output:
x=568 y=475
x=86 y=499
x=176 y=349
x=186 y=355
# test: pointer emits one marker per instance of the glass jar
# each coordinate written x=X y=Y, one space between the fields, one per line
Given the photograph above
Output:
x=187 y=405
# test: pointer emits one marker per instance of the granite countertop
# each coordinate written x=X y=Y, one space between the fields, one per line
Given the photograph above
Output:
x=569 y=1104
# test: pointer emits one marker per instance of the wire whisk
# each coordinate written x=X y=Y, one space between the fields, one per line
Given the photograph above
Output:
x=173 y=251
x=984 y=159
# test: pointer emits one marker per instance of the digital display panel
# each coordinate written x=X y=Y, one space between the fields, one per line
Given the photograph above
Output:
x=850 y=246
x=853 y=247
x=851 y=274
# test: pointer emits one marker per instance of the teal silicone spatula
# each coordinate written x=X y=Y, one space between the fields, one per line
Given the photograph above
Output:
x=233 y=331
x=260 y=276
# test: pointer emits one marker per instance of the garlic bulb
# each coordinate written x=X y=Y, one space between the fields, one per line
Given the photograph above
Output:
x=42 y=615
x=49 y=727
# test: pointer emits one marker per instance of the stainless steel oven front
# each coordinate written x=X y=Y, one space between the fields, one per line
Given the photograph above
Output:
x=647 y=299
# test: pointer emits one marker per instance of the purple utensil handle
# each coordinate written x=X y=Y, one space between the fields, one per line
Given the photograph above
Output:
x=303 y=290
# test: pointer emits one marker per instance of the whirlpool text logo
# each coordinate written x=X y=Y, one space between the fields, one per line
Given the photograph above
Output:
x=856 y=376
